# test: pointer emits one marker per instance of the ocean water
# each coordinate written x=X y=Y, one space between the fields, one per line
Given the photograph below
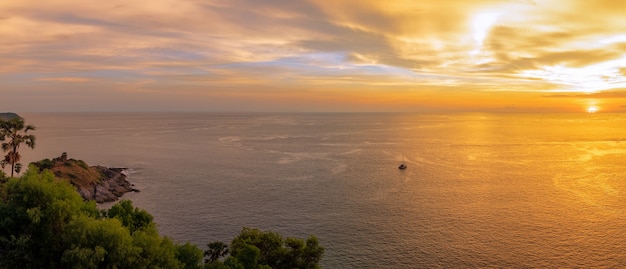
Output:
x=481 y=190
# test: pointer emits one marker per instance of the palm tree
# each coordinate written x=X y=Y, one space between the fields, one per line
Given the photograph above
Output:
x=13 y=133
x=216 y=250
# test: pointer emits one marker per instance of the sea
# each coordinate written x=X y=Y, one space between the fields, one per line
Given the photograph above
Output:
x=480 y=190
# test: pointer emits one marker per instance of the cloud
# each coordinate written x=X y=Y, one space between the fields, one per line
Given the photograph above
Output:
x=65 y=79
x=207 y=47
x=619 y=93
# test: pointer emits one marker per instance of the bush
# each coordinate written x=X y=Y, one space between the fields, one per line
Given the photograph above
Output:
x=44 y=164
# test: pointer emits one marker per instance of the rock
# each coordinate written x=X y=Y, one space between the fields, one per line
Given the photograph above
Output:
x=112 y=186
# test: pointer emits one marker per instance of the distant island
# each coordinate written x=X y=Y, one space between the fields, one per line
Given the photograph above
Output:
x=8 y=115
x=98 y=183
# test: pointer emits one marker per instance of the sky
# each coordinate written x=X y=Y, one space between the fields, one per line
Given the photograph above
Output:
x=313 y=56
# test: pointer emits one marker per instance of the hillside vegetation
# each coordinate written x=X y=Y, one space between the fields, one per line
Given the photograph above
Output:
x=46 y=224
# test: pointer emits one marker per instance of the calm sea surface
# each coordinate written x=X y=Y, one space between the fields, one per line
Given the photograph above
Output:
x=481 y=190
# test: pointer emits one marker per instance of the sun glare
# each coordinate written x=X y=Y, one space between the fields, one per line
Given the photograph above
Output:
x=481 y=25
x=592 y=109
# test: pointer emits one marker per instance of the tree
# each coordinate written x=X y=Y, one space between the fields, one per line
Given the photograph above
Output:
x=44 y=223
x=248 y=255
x=269 y=244
x=254 y=248
x=189 y=255
x=133 y=218
x=15 y=133
x=36 y=213
x=217 y=249
x=97 y=243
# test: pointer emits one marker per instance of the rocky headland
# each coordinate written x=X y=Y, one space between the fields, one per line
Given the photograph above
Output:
x=98 y=183
x=8 y=115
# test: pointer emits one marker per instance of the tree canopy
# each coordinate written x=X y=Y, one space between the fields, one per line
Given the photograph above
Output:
x=254 y=248
x=44 y=223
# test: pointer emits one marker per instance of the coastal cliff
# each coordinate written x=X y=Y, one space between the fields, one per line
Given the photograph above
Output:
x=98 y=183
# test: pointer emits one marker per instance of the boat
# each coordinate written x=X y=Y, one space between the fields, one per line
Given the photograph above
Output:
x=402 y=165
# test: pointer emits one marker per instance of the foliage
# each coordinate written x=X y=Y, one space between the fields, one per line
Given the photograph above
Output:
x=16 y=132
x=44 y=223
x=254 y=248
x=189 y=255
x=94 y=243
x=44 y=164
x=134 y=218
x=36 y=212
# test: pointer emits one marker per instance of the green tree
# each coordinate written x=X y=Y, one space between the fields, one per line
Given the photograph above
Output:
x=269 y=244
x=35 y=213
x=98 y=243
x=44 y=223
x=133 y=218
x=307 y=256
x=190 y=256
x=15 y=133
x=154 y=251
x=254 y=248
x=248 y=256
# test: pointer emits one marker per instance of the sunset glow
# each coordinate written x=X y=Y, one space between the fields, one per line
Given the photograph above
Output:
x=592 y=109
x=344 y=55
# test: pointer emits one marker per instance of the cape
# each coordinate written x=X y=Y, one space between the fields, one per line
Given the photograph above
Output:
x=8 y=116
x=98 y=183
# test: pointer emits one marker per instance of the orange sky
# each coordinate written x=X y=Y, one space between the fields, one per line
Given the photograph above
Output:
x=318 y=55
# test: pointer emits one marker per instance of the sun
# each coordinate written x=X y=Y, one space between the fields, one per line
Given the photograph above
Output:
x=592 y=109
